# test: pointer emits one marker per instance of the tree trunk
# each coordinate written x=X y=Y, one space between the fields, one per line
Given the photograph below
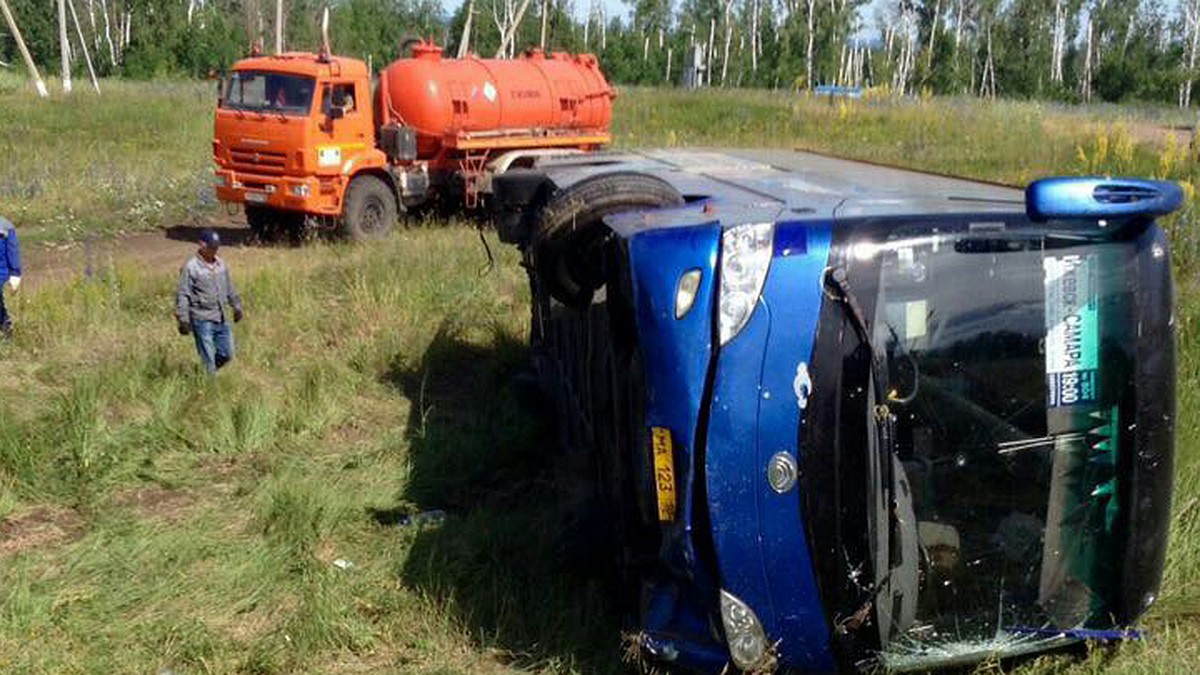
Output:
x=508 y=35
x=1085 y=83
x=728 y=40
x=1058 y=48
x=278 y=26
x=1192 y=36
x=712 y=30
x=83 y=45
x=933 y=26
x=464 y=43
x=112 y=49
x=808 y=52
x=755 y=38
x=545 y=23
x=16 y=33
x=64 y=50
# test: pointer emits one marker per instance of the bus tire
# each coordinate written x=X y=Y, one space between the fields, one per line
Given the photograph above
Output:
x=571 y=229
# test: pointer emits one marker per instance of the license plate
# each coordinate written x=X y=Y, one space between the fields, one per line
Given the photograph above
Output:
x=664 y=472
x=256 y=197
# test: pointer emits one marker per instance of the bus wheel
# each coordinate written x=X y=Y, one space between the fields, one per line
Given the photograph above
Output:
x=571 y=232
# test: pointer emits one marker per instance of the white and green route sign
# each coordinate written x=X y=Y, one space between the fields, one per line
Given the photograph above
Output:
x=1072 y=330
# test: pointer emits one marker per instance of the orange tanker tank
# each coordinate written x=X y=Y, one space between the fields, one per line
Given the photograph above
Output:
x=474 y=104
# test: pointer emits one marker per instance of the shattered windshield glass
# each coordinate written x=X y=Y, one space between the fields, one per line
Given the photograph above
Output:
x=269 y=92
x=1009 y=360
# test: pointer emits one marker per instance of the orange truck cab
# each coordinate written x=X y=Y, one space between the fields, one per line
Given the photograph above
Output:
x=301 y=140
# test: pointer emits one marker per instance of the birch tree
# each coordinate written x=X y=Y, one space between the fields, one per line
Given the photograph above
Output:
x=1190 y=9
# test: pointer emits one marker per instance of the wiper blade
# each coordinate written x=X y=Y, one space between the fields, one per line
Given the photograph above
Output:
x=837 y=285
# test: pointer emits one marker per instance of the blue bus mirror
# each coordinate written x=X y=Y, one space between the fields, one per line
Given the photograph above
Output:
x=1075 y=198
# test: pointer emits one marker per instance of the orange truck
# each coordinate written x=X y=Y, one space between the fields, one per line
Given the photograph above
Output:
x=302 y=140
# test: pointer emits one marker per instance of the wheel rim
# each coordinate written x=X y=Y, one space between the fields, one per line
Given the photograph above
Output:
x=373 y=215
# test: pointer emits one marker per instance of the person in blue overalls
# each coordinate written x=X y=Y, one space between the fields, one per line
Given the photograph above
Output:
x=10 y=271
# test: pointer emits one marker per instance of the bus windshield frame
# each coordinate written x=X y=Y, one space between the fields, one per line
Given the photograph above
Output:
x=1010 y=355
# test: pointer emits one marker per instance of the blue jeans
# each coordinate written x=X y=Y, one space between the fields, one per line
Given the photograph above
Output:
x=214 y=342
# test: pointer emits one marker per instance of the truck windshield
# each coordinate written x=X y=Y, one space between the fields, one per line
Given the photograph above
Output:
x=269 y=92
x=1010 y=358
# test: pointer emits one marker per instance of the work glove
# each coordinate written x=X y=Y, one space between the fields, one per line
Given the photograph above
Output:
x=184 y=328
x=237 y=314
x=14 y=283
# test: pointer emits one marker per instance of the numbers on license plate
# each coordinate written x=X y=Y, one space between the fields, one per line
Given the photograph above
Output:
x=256 y=197
x=664 y=472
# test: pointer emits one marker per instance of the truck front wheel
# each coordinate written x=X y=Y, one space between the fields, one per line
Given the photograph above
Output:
x=370 y=209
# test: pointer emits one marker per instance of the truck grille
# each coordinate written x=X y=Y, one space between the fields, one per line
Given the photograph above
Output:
x=261 y=161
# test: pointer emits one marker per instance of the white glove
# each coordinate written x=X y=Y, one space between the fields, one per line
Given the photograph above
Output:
x=14 y=283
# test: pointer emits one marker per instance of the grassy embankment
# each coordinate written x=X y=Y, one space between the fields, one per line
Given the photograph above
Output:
x=153 y=519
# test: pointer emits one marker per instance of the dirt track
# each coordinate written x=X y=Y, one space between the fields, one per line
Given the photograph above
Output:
x=162 y=250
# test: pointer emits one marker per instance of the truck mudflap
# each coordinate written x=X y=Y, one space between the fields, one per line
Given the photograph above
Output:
x=759 y=395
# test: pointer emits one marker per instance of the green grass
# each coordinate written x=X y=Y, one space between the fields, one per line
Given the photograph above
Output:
x=155 y=519
x=133 y=158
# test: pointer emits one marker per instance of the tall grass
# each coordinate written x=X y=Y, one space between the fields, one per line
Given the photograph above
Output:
x=137 y=156
x=152 y=518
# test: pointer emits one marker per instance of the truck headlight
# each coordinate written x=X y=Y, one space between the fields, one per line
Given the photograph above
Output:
x=745 y=257
x=744 y=633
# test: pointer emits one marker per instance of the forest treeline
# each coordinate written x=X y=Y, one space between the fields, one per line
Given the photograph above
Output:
x=1069 y=50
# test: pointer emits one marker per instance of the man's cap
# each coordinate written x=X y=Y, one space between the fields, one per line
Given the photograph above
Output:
x=210 y=238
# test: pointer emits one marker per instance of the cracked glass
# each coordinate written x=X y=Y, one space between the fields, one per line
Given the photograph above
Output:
x=1008 y=360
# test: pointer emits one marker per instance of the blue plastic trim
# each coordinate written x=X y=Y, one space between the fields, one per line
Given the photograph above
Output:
x=1110 y=635
x=762 y=549
x=698 y=656
x=676 y=356
x=1066 y=198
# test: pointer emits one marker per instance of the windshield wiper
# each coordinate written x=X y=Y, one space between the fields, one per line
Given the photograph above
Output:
x=837 y=286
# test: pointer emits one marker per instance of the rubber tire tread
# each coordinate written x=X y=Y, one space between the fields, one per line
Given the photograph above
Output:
x=573 y=221
x=361 y=190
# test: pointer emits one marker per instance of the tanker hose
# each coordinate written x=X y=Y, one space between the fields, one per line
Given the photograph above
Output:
x=491 y=259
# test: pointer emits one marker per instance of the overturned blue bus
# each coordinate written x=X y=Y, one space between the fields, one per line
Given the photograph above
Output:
x=847 y=416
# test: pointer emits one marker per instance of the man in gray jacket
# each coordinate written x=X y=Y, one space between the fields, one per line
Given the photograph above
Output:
x=205 y=293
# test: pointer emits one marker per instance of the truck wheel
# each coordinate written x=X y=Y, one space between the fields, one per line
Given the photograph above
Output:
x=370 y=209
x=566 y=242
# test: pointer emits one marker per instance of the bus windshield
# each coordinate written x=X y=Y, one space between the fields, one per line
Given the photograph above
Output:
x=1009 y=355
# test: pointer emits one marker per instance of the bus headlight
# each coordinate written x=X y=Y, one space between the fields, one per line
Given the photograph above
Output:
x=744 y=633
x=745 y=257
x=685 y=292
